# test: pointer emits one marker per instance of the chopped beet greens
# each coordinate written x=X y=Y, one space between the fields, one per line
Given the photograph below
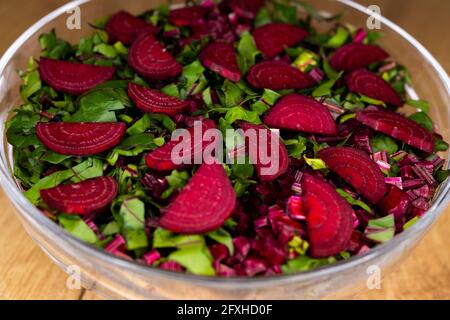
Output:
x=93 y=149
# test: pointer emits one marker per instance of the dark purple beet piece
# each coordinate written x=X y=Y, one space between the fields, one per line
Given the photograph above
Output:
x=151 y=60
x=221 y=58
x=300 y=113
x=161 y=158
x=246 y=8
x=271 y=39
x=283 y=157
x=80 y=139
x=357 y=169
x=329 y=217
x=73 y=78
x=188 y=16
x=356 y=56
x=369 y=84
x=125 y=27
x=151 y=100
x=277 y=75
x=206 y=202
x=82 y=198
x=398 y=127
x=396 y=202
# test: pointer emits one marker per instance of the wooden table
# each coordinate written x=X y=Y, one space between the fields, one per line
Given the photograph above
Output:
x=26 y=273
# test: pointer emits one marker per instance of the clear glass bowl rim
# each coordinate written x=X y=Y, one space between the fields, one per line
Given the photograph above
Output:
x=37 y=218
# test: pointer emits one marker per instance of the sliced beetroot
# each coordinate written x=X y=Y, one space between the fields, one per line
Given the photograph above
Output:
x=398 y=127
x=203 y=205
x=82 y=198
x=73 y=78
x=187 y=16
x=396 y=202
x=369 y=84
x=151 y=60
x=356 y=56
x=277 y=75
x=300 y=113
x=271 y=39
x=221 y=58
x=125 y=27
x=80 y=139
x=329 y=218
x=161 y=158
x=357 y=169
x=246 y=8
x=255 y=151
x=151 y=100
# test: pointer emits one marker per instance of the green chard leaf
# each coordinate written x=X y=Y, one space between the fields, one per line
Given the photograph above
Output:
x=296 y=147
x=195 y=258
x=76 y=226
x=382 y=229
x=421 y=105
x=247 y=52
x=353 y=201
x=132 y=220
x=177 y=180
x=222 y=236
x=382 y=142
x=423 y=119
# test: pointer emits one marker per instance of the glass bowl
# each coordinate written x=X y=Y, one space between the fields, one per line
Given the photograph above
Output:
x=111 y=277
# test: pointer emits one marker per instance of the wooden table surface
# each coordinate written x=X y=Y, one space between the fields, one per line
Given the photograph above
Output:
x=26 y=273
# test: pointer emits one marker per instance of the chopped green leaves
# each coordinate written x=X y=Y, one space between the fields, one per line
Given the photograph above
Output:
x=78 y=228
x=382 y=142
x=382 y=229
x=353 y=201
x=247 y=52
x=132 y=220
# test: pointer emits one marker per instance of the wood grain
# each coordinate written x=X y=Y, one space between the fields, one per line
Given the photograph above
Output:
x=26 y=273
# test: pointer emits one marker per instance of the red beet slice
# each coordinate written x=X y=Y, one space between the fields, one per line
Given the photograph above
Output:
x=151 y=60
x=277 y=75
x=161 y=158
x=398 y=127
x=82 y=198
x=125 y=28
x=151 y=100
x=356 y=56
x=357 y=169
x=80 y=139
x=283 y=157
x=221 y=58
x=371 y=85
x=271 y=39
x=246 y=8
x=396 y=202
x=188 y=16
x=73 y=78
x=203 y=205
x=328 y=217
x=300 y=113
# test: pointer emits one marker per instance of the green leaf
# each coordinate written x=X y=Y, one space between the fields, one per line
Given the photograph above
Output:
x=440 y=145
x=262 y=18
x=171 y=90
x=353 y=201
x=106 y=50
x=247 y=52
x=304 y=263
x=410 y=223
x=163 y=238
x=222 y=236
x=31 y=84
x=111 y=229
x=53 y=47
x=423 y=119
x=296 y=147
x=177 y=180
x=132 y=213
x=316 y=164
x=192 y=74
x=132 y=146
x=382 y=229
x=268 y=100
x=239 y=113
x=382 y=142
x=370 y=100
x=422 y=105
x=76 y=226
x=285 y=12
x=195 y=258
x=338 y=39
x=233 y=94
x=99 y=106
x=325 y=87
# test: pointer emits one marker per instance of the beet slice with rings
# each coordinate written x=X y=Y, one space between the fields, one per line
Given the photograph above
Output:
x=357 y=169
x=86 y=197
x=398 y=127
x=222 y=59
x=188 y=16
x=371 y=85
x=277 y=75
x=255 y=151
x=271 y=39
x=246 y=9
x=73 y=78
x=151 y=60
x=206 y=202
x=396 y=202
x=126 y=28
x=80 y=139
x=300 y=113
x=356 y=55
x=151 y=100
x=329 y=218
x=161 y=158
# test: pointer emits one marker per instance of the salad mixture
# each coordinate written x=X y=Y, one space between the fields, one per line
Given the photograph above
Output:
x=93 y=139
